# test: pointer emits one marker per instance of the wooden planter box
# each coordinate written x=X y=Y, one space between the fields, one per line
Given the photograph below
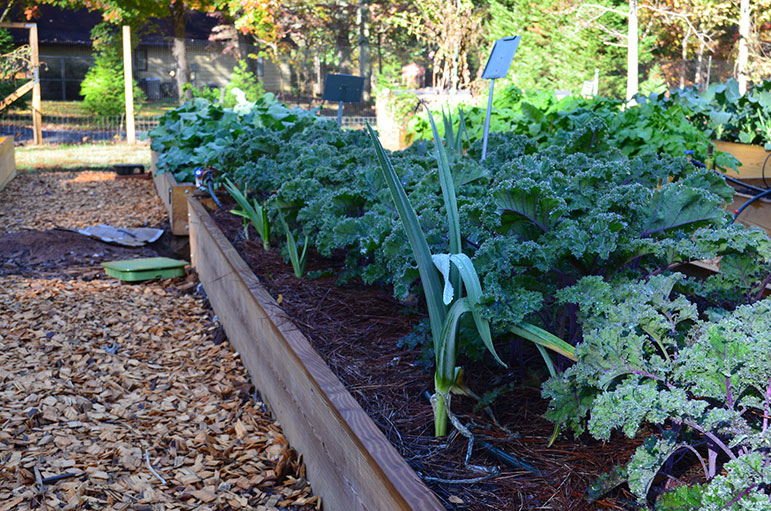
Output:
x=752 y=157
x=7 y=161
x=757 y=214
x=174 y=196
x=351 y=464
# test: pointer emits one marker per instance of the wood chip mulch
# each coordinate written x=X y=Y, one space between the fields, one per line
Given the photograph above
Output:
x=74 y=200
x=117 y=396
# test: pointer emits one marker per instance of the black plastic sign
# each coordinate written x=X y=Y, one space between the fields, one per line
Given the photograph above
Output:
x=500 y=59
x=343 y=88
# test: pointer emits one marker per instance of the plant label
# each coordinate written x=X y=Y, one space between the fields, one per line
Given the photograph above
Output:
x=500 y=58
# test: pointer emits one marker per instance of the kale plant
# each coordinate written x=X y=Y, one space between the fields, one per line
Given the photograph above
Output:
x=648 y=360
x=555 y=217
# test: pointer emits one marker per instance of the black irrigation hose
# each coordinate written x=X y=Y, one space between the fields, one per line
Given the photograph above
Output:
x=761 y=192
x=741 y=183
x=744 y=206
x=206 y=176
x=211 y=192
x=763 y=171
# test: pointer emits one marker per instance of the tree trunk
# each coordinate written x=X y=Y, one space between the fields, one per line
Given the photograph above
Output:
x=245 y=48
x=380 y=53
x=699 y=65
x=455 y=64
x=684 y=57
x=744 y=34
x=182 y=71
x=318 y=82
x=365 y=63
x=632 y=61
x=6 y=10
x=343 y=51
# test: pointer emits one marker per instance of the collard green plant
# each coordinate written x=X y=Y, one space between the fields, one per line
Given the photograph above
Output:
x=201 y=133
x=726 y=114
x=652 y=125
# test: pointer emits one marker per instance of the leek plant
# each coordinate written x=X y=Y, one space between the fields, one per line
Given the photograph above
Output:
x=295 y=257
x=255 y=212
x=453 y=142
x=444 y=278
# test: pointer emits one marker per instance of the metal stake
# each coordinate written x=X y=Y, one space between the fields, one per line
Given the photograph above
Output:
x=340 y=114
x=487 y=119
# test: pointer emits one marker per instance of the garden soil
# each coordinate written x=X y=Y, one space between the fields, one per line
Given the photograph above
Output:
x=357 y=329
x=117 y=396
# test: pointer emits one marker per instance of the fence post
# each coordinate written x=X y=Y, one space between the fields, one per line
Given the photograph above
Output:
x=131 y=136
x=37 y=117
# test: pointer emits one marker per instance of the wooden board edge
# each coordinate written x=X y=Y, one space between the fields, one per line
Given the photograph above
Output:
x=7 y=161
x=179 y=208
x=173 y=195
x=382 y=472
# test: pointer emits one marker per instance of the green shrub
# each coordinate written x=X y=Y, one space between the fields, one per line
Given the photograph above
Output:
x=244 y=80
x=210 y=94
x=103 y=87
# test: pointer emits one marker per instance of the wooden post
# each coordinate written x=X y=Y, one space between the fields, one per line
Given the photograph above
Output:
x=37 y=116
x=131 y=136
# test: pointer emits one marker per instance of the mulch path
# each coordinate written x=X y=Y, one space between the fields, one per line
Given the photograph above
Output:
x=117 y=396
x=356 y=330
x=74 y=200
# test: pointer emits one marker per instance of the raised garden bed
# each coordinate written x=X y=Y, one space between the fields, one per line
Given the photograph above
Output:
x=355 y=330
x=753 y=158
x=351 y=464
x=174 y=197
x=7 y=161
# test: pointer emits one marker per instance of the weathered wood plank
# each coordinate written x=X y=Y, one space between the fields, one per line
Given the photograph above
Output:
x=173 y=195
x=351 y=464
x=7 y=161
x=753 y=157
x=25 y=88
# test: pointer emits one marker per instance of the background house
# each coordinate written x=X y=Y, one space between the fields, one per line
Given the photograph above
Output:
x=66 y=55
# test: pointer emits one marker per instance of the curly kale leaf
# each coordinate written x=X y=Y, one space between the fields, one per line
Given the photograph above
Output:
x=679 y=206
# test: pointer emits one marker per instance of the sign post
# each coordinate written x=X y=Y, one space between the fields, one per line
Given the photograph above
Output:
x=497 y=67
x=343 y=89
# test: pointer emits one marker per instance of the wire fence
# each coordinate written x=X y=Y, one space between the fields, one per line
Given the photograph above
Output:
x=63 y=129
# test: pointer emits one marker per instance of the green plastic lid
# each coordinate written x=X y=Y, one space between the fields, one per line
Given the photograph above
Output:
x=145 y=268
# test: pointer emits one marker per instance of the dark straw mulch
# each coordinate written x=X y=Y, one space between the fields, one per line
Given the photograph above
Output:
x=355 y=328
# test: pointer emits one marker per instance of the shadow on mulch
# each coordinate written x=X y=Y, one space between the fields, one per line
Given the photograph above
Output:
x=57 y=251
x=355 y=328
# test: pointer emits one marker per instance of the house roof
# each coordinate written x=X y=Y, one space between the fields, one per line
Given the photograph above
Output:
x=73 y=27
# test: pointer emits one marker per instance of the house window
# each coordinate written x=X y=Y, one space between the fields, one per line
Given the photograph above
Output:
x=260 y=66
x=140 y=59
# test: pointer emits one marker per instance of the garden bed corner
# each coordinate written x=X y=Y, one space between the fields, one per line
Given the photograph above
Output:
x=7 y=161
